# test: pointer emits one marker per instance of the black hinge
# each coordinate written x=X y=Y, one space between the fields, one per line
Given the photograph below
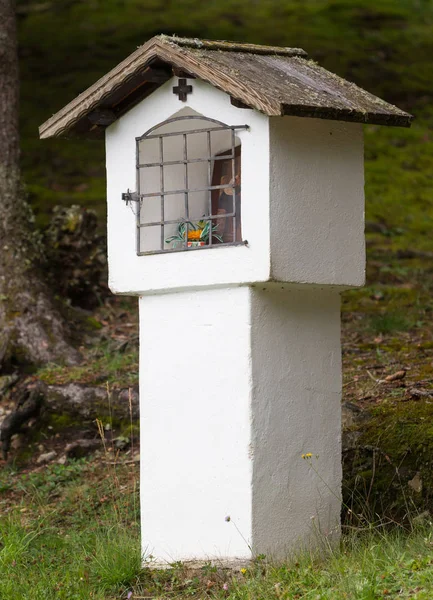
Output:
x=130 y=197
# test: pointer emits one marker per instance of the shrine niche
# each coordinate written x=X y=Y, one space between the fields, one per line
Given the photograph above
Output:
x=187 y=196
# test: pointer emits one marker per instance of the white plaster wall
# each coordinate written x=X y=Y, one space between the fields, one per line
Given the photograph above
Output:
x=317 y=201
x=296 y=359
x=235 y=385
x=129 y=273
x=195 y=395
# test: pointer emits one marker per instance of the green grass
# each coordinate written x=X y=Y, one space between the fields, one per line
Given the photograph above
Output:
x=389 y=322
x=40 y=484
x=40 y=560
x=365 y=568
x=47 y=564
x=71 y=532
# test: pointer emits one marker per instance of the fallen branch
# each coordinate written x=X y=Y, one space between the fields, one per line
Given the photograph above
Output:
x=414 y=254
x=417 y=393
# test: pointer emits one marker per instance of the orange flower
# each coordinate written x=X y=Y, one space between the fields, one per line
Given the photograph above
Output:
x=195 y=234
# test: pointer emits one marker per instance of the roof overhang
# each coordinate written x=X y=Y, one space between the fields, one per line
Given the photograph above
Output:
x=290 y=85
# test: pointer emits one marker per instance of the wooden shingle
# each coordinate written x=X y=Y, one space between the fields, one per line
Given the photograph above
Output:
x=275 y=81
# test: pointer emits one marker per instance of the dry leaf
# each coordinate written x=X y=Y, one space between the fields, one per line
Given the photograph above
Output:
x=395 y=376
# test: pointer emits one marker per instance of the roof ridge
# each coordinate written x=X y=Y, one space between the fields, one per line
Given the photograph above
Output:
x=228 y=46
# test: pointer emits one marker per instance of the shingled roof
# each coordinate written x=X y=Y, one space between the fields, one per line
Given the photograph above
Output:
x=275 y=81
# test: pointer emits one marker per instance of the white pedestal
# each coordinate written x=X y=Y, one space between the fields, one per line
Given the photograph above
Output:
x=235 y=385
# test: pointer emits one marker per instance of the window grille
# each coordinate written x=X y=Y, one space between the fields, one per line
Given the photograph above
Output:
x=188 y=186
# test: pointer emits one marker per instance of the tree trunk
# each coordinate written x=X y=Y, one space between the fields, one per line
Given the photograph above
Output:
x=31 y=328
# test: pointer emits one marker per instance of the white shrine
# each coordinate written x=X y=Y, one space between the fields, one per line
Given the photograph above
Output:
x=235 y=191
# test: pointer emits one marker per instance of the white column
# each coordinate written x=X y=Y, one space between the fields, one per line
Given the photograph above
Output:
x=296 y=409
x=235 y=385
x=195 y=396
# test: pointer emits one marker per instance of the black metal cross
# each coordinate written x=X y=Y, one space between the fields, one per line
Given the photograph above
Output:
x=182 y=90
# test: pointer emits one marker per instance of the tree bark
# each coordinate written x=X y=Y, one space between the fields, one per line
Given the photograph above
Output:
x=31 y=328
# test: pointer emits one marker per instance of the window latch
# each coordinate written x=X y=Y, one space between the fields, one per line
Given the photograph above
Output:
x=129 y=197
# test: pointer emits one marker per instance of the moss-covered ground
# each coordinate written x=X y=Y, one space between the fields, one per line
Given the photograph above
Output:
x=110 y=350
x=388 y=330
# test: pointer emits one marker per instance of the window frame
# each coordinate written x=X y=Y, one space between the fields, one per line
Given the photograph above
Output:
x=230 y=154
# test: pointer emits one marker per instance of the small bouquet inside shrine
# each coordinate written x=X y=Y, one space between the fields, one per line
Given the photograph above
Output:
x=194 y=234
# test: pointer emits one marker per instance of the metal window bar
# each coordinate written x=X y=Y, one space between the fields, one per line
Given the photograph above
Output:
x=234 y=185
x=209 y=183
x=181 y=162
x=138 y=211
x=188 y=118
x=185 y=158
x=161 y=157
x=190 y=131
x=192 y=248
x=177 y=221
x=186 y=191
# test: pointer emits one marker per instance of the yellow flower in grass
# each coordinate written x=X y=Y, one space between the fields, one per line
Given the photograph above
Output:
x=243 y=570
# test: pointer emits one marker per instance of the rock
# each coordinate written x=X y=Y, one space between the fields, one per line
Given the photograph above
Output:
x=349 y=439
x=422 y=518
x=81 y=448
x=90 y=402
x=62 y=460
x=416 y=483
x=76 y=399
x=47 y=457
x=125 y=393
x=351 y=414
x=17 y=441
x=351 y=417
x=121 y=442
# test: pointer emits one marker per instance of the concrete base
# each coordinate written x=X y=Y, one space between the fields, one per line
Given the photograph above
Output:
x=227 y=564
x=235 y=385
